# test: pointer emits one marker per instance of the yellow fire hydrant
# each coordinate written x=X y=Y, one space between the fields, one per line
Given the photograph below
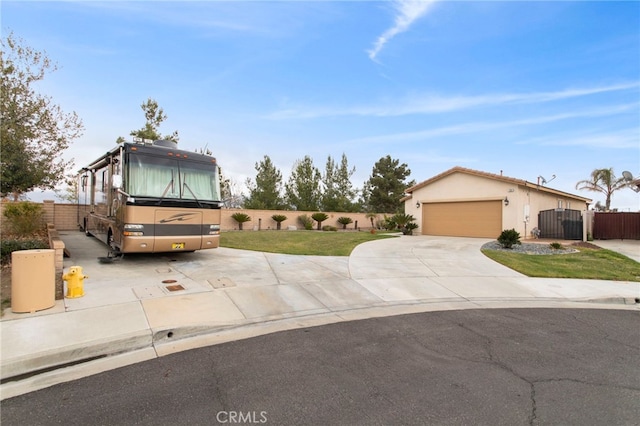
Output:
x=75 y=282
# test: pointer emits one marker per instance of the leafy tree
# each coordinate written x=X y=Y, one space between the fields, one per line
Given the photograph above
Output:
x=154 y=116
x=33 y=130
x=604 y=181
x=265 y=193
x=302 y=191
x=338 y=194
x=70 y=193
x=386 y=186
x=229 y=193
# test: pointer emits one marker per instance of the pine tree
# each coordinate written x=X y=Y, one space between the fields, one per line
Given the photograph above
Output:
x=302 y=191
x=338 y=195
x=386 y=186
x=265 y=192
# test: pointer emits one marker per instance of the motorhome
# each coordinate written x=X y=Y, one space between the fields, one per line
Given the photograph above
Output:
x=151 y=197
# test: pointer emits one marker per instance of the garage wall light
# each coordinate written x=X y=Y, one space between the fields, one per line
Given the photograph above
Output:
x=506 y=201
x=418 y=205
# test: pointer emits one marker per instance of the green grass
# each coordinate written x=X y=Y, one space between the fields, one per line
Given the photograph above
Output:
x=317 y=243
x=587 y=264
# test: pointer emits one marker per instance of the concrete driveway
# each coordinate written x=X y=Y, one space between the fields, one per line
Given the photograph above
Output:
x=145 y=306
x=630 y=248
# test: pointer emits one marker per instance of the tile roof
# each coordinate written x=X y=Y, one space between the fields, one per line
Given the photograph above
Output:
x=494 y=176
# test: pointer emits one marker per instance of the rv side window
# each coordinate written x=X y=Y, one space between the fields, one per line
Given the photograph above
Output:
x=101 y=187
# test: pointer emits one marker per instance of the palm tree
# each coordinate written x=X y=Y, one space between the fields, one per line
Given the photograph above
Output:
x=371 y=216
x=279 y=218
x=605 y=181
x=319 y=217
x=344 y=221
x=241 y=218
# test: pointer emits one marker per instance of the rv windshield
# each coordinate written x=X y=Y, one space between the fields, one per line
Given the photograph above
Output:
x=172 y=178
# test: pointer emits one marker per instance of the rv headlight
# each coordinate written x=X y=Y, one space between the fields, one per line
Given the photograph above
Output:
x=214 y=229
x=133 y=226
x=133 y=230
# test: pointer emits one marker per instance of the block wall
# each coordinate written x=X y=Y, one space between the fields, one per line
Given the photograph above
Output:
x=65 y=218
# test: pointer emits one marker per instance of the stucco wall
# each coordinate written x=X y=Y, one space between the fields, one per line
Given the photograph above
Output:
x=261 y=219
x=64 y=217
x=466 y=187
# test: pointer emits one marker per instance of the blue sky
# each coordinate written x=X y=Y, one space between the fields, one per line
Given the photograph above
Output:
x=527 y=88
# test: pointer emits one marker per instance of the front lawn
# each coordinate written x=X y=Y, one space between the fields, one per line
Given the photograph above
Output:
x=588 y=263
x=318 y=243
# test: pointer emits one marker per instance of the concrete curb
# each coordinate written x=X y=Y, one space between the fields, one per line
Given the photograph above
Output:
x=40 y=370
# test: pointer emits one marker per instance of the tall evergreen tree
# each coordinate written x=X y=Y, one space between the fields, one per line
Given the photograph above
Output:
x=302 y=191
x=154 y=116
x=33 y=130
x=339 y=194
x=266 y=192
x=386 y=186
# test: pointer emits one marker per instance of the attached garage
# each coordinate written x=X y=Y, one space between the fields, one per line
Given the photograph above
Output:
x=463 y=202
x=463 y=219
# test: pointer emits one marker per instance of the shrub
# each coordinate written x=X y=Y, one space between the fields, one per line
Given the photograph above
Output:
x=409 y=227
x=241 y=218
x=344 y=221
x=306 y=221
x=400 y=221
x=329 y=228
x=9 y=246
x=508 y=238
x=319 y=217
x=555 y=246
x=279 y=218
x=24 y=218
x=389 y=224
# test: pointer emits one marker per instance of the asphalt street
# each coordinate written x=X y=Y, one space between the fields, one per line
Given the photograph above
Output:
x=489 y=366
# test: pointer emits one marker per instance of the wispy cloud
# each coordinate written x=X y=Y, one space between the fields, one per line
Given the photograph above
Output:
x=478 y=127
x=433 y=104
x=621 y=139
x=407 y=12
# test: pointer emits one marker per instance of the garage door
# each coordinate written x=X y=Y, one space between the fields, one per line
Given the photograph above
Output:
x=463 y=219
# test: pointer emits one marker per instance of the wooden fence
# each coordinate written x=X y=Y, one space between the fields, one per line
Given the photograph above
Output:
x=616 y=226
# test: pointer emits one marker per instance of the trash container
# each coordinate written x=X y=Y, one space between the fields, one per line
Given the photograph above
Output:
x=33 y=280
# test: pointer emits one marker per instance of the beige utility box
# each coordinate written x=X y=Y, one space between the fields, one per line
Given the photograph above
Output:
x=33 y=280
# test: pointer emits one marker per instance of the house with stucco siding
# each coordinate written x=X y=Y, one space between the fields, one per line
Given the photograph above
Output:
x=471 y=203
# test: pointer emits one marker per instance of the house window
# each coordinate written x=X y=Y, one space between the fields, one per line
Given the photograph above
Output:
x=559 y=204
